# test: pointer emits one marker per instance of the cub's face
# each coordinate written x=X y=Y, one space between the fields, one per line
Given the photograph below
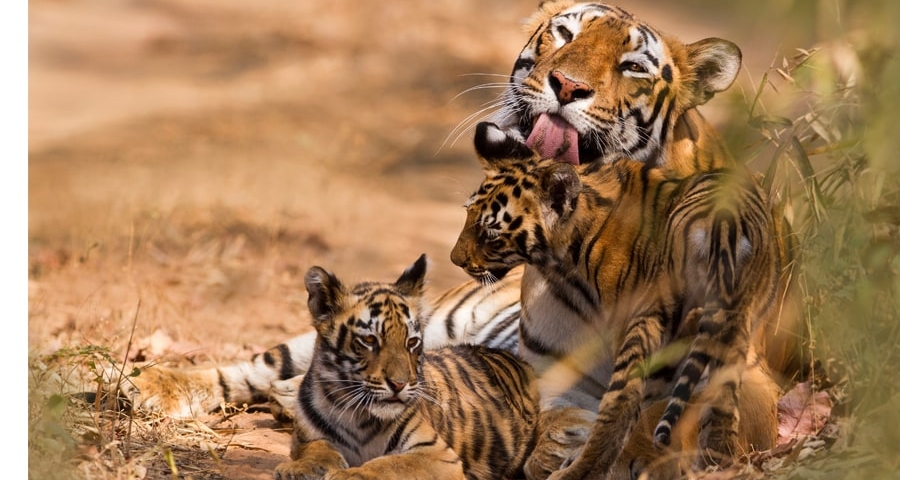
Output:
x=369 y=340
x=594 y=83
x=510 y=216
x=497 y=235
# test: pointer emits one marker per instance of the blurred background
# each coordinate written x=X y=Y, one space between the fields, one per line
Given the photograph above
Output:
x=188 y=161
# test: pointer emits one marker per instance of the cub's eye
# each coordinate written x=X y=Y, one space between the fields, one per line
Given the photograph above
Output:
x=489 y=232
x=368 y=341
x=413 y=343
x=632 y=67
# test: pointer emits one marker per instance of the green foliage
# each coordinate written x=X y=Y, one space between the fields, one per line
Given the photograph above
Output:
x=826 y=136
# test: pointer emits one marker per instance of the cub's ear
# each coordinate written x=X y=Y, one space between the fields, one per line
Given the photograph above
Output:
x=326 y=294
x=412 y=281
x=561 y=186
x=494 y=145
x=714 y=64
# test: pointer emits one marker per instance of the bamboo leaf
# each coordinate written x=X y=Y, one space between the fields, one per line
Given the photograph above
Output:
x=808 y=176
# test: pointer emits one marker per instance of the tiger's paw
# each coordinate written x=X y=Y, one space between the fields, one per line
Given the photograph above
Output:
x=178 y=393
x=561 y=437
x=283 y=398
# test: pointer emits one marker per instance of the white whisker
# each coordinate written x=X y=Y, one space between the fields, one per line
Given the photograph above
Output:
x=466 y=125
x=484 y=86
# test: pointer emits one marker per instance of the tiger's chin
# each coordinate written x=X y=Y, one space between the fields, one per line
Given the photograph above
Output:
x=388 y=409
x=489 y=276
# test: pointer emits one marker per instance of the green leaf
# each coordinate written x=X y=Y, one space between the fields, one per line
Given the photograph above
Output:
x=56 y=405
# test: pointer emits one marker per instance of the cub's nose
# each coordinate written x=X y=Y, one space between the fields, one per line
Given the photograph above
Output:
x=396 y=385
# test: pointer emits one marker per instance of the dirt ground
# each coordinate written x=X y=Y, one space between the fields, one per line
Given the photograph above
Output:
x=189 y=161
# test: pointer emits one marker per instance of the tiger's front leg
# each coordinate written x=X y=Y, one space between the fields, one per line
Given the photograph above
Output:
x=620 y=405
x=311 y=461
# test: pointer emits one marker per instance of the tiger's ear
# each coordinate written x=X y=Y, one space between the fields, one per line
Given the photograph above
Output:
x=326 y=295
x=561 y=185
x=714 y=64
x=412 y=281
x=496 y=147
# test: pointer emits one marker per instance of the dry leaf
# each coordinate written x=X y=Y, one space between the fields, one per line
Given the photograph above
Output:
x=802 y=412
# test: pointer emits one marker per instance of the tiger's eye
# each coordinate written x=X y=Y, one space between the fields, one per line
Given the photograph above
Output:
x=633 y=67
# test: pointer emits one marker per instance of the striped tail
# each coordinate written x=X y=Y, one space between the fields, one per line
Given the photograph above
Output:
x=688 y=376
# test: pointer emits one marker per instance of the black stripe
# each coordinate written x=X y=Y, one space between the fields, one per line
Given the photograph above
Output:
x=226 y=391
x=287 y=365
x=533 y=343
x=399 y=431
x=255 y=394
x=309 y=410
x=449 y=322
x=665 y=127
x=267 y=357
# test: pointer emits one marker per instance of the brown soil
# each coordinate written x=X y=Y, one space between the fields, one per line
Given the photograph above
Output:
x=189 y=161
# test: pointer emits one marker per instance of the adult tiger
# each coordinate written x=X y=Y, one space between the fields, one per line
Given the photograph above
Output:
x=638 y=280
x=594 y=83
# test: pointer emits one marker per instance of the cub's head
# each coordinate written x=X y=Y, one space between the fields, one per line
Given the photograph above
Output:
x=511 y=216
x=594 y=83
x=369 y=339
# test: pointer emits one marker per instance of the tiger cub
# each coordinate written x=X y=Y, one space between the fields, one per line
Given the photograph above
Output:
x=654 y=280
x=374 y=404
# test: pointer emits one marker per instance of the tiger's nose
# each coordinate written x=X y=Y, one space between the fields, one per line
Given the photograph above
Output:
x=568 y=90
x=396 y=385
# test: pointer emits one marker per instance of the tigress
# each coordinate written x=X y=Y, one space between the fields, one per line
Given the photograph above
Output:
x=592 y=76
x=374 y=404
x=638 y=280
x=593 y=83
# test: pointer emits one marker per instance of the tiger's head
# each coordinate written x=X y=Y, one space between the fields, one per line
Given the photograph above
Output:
x=369 y=340
x=593 y=83
x=511 y=215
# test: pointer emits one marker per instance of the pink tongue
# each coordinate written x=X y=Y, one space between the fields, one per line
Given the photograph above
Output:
x=554 y=137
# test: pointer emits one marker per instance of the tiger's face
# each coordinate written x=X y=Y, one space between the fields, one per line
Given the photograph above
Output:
x=510 y=217
x=594 y=83
x=369 y=340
